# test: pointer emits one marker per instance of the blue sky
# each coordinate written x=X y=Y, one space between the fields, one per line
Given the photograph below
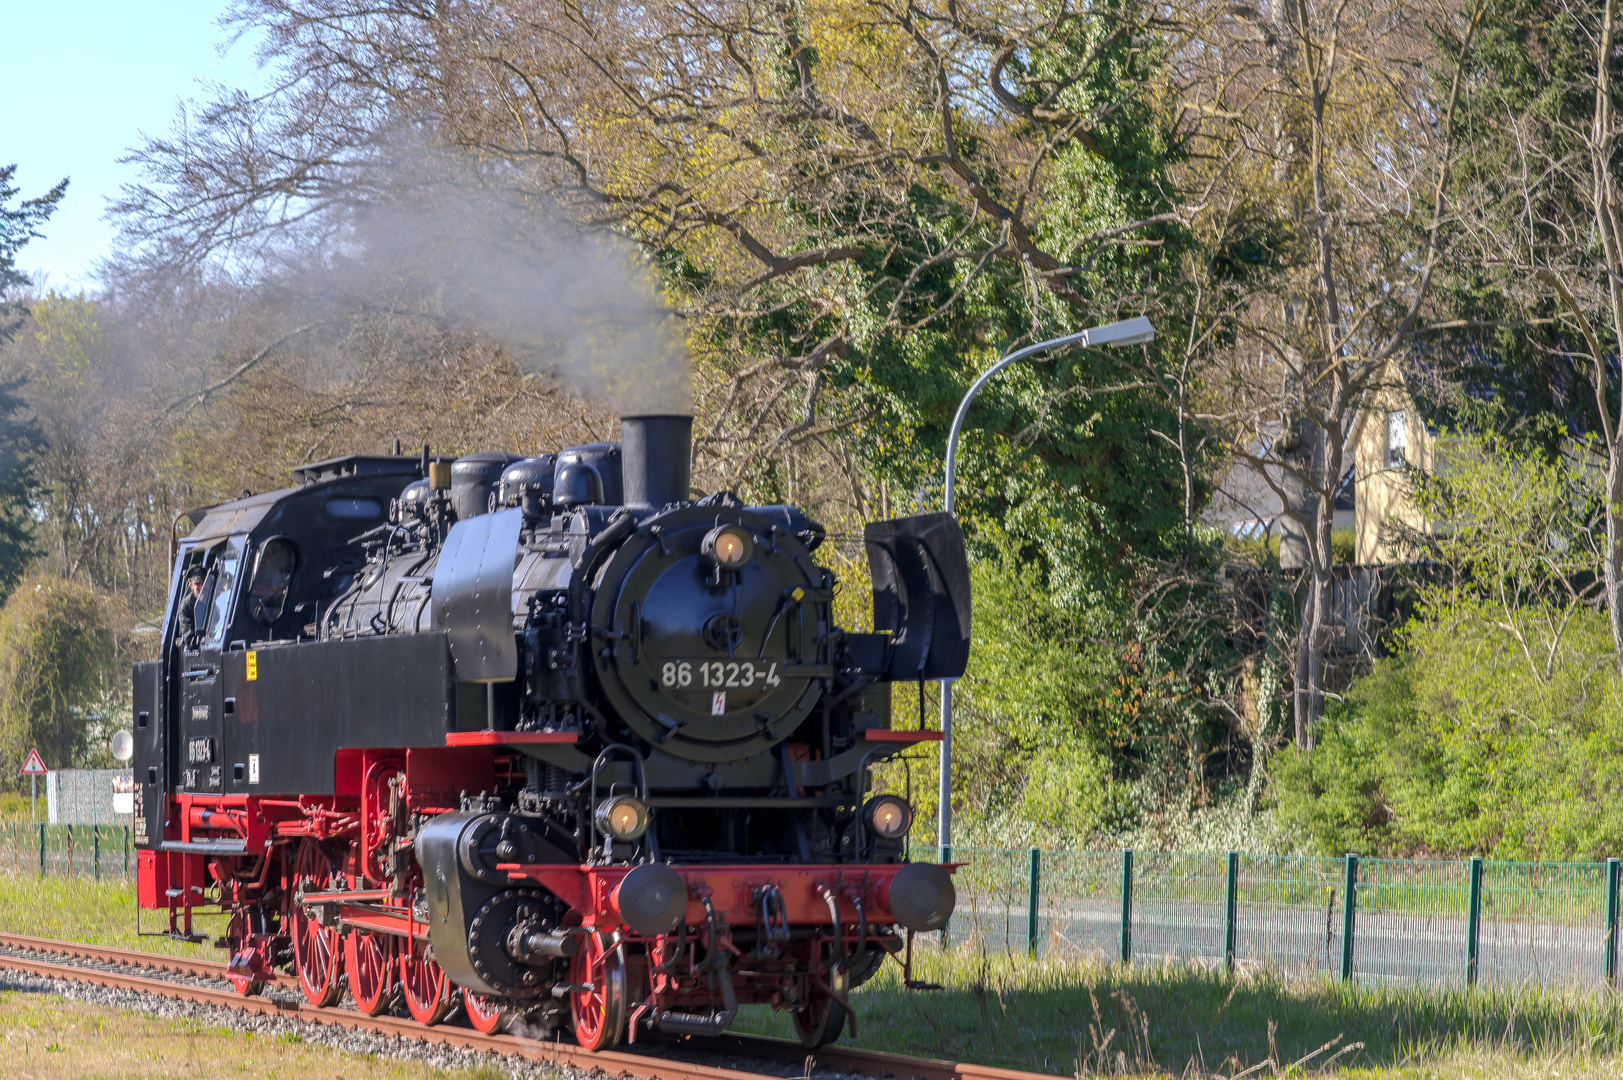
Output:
x=79 y=83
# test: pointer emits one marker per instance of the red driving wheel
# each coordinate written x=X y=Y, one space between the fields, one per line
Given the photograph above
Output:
x=316 y=948
x=484 y=1014
x=428 y=990
x=599 y=1011
x=371 y=961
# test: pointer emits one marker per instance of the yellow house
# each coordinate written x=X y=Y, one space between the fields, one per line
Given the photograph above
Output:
x=1388 y=437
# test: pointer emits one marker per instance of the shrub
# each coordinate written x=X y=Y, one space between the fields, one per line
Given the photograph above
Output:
x=1498 y=727
x=59 y=659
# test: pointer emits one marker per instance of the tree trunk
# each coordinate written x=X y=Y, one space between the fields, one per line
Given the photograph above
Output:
x=1304 y=544
x=1320 y=591
x=1612 y=568
x=1603 y=140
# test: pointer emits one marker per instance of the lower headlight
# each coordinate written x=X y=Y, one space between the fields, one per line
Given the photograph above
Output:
x=622 y=817
x=889 y=816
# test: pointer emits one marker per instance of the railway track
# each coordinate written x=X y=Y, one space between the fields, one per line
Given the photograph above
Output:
x=117 y=969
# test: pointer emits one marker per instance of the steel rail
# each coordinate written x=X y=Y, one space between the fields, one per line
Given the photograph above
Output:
x=613 y=1063
x=173 y=965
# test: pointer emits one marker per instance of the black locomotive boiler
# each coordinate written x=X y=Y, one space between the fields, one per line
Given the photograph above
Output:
x=541 y=736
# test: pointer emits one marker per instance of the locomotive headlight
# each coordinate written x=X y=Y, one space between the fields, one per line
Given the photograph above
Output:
x=729 y=546
x=622 y=817
x=889 y=816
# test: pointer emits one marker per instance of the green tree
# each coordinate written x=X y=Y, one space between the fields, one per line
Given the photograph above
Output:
x=19 y=223
x=1545 y=220
x=21 y=441
x=1513 y=369
x=21 y=446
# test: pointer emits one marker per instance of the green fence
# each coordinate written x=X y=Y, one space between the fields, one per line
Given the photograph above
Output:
x=91 y=851
x=1371 y=920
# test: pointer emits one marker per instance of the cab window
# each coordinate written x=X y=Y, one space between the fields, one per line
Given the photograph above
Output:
x=219 y=597
x=273 y=574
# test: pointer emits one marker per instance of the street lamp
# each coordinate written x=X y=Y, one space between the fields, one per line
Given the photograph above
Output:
x=1118 y=334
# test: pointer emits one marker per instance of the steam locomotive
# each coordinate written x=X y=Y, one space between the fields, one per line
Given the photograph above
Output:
x=541 y=737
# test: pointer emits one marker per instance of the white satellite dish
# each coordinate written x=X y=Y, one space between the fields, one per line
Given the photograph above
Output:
x=123 y=746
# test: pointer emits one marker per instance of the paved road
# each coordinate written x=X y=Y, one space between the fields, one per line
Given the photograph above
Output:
x=1388 y=947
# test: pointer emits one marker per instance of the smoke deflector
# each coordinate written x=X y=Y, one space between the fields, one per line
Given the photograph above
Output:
x=921 y=594
x=472 y=597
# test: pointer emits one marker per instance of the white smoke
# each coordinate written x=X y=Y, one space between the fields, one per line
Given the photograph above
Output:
x=440 y=236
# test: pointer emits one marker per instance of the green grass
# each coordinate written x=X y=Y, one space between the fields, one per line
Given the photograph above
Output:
x=48 y=1037
x=1086 y=1017
x=15 y=807
x=1081 y=1018
x=96 y=913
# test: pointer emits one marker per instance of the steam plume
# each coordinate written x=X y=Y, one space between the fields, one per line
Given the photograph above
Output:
x=464 y=244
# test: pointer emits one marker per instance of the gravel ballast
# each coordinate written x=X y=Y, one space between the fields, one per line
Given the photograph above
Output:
x=353 y=1042
x=435 y=1055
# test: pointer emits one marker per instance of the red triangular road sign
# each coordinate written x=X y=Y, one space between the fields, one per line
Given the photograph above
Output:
x=34 y=766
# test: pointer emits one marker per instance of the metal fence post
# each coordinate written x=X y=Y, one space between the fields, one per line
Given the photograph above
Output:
x=1231 y=908
x=1614 y=871
x=42 y=849
x=1473 y=920
x=95 y=852
x=1033 y=882
x=946 y=927
x=126 y=851
x=1349 y=914
x=1127 y=906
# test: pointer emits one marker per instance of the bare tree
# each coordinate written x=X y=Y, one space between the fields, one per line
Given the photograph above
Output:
x=1551 y=222
x=1341 y=143
x=817 y=180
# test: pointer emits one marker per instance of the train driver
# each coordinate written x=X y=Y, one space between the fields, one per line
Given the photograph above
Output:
x=188 y=606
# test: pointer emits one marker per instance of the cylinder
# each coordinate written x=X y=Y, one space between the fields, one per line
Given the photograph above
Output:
x=199 y=818
x=656 y=454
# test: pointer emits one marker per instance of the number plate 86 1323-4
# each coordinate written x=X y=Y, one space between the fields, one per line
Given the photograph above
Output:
x=719 y=674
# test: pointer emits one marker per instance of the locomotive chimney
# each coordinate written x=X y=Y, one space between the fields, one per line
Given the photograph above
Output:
x=655 y=452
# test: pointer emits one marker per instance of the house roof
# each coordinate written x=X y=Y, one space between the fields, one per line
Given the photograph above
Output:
x=1244 y=501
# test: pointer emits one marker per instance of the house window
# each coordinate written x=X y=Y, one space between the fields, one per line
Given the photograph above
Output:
x=1397 y=438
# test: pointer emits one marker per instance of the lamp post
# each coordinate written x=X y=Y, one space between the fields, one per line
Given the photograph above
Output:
x=1119 y=334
